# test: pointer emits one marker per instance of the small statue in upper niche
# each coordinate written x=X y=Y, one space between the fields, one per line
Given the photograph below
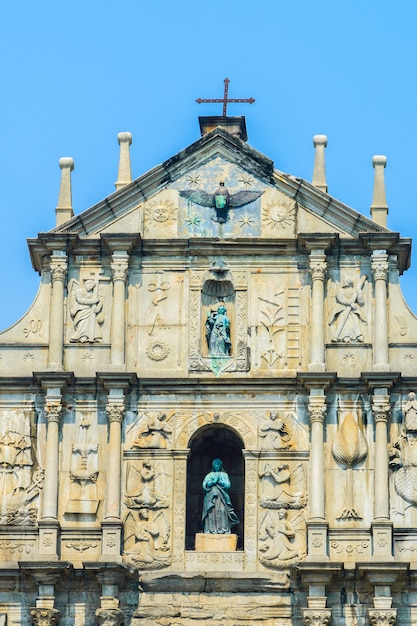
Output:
x=218 y=512
x=86 y=308
x=275 y=434
x=154 y=433
x=218 y=332
x=346 y=317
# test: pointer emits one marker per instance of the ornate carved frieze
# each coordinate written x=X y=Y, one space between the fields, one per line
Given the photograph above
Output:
x=187 y=423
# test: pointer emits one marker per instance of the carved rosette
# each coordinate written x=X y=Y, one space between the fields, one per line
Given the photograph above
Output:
x=109 y=617
x=44 y=617
x=317 y=618
x=380 y=267
x=385 y=617
x=318 y=269
x=115 y=412
x=119 y=270
x=53 y=412
x=58 y=270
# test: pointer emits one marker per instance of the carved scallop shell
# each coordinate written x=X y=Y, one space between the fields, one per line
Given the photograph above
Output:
x=349 y=446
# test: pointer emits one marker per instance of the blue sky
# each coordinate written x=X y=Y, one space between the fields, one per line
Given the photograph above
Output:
x=75 y=74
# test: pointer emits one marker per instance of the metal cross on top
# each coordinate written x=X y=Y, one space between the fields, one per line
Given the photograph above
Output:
x=225 y=99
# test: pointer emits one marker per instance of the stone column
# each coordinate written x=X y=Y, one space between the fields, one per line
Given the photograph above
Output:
x=44 y=613
x=317 y=617
x=48 y=524
x=109 y=613
x=316 y=613
x=59 y=267
x=119 y=268
x=44 y=617
x=318 y=267
x=381 y=525
x=112 y=524
x=382 y=617
x=317 y=525
x=379 y=263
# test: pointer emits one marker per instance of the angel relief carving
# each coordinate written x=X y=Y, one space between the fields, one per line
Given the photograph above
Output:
x=282 y=432
x=282 y=487
x=147 y=532
x=281 y=539
x=154 y=432
x=86 y=308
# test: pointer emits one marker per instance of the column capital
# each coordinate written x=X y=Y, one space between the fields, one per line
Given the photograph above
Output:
x=59 y=268
x=53 y=410
x=115 y=412
x=317 y=408
x=119 y=268
x=320 y=617
x=109 y=617
x=381 y=408
x=384 y=617
x=44 y=617
x=318 y=267
x=379 y=265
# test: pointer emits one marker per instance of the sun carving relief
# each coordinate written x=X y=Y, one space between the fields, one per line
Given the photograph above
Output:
x=278 y=214
x=161 y=211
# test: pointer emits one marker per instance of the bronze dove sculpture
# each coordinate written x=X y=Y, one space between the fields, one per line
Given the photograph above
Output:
x=221 y=200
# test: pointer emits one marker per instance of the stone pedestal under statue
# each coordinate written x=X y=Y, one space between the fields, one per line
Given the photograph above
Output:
x=210 y=542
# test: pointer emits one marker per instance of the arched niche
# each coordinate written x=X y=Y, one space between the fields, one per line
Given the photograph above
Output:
x=208 y=443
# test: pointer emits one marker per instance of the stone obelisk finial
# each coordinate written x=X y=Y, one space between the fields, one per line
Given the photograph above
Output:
x=319 y=172
x=64 y=210
x=124 y=176
x=379 y=207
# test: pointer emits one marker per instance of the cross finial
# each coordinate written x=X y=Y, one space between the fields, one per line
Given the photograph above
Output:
x=225 y=99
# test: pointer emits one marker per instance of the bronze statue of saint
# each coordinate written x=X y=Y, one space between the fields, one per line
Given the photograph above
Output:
x=218 y=512
x=218 y=332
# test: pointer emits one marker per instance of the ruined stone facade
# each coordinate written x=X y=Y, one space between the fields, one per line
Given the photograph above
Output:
x=213 y=307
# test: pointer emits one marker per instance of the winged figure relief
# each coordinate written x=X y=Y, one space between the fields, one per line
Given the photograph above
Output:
x=222 y=201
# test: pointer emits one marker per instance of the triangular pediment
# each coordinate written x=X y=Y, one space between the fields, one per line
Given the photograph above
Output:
x=181 y=199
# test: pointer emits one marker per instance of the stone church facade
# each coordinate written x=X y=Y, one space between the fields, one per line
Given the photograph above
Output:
x=214 y=307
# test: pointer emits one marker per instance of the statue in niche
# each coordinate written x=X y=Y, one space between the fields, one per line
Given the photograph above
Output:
x=275 y=434
x=218 y=332
x=346 y=317
x=86 y=308
x=281 y=541
x=143 y=495
x=403 y=454
x=147 y=539
x=283 y=488
x=155 y=432
x=218 y=512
